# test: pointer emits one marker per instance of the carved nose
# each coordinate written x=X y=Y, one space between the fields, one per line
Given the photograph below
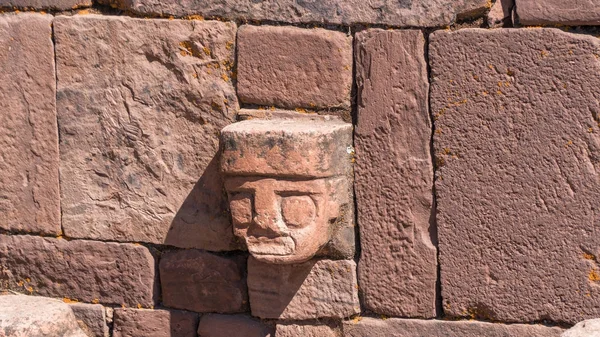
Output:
x=267 y=221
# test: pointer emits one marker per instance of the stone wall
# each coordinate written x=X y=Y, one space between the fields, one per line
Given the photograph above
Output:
x=476 y=158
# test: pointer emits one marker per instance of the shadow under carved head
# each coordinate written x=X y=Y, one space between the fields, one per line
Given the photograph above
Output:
x=288 y=183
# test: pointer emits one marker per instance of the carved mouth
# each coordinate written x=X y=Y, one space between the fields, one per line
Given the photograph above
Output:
x=280 y=246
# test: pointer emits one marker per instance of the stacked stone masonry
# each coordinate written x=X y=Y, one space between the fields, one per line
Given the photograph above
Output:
x=283 y=168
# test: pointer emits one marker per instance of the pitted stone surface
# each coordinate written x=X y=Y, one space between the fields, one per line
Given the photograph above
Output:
x=314 y=289
x=27 y=316
x=572 y=12
x=89 y=271
x=154 y=323
x=91 y=319
x=29 y=197
x=412 y=13
x=305 y=330
x=501 y=13
x=517 y=148
x=140 y=105
x=394 y=175
x=431 y=328
x=215 y=325
x=203 y=282
x=46 y=4
x=588 y=328
x=294 y=67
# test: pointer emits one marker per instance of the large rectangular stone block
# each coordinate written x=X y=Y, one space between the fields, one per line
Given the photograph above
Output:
x=397 y=269
x=215 y=325
x=89 y=271
x=154 y=323
x=313 y=289
x=140 y=105
x=46 y=4
x=29 y=197
x=549 y=12
x=517 y=148
x=431 y=328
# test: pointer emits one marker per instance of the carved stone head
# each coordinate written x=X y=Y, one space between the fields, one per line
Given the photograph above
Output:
x=288 y=185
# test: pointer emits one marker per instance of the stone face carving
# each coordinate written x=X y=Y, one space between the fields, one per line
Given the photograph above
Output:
x=288 y=183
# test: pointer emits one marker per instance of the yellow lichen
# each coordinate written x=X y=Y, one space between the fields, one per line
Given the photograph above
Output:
x=589 y=256
x=95 y=301
x=593 y=276
x=69 y=300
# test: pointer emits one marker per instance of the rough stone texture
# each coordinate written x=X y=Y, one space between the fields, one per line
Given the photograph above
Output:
x=314 y=289
x=46 y=4
x=412 y=13
x=91 y=319
x=415 y=328
x=588 y=328
x=394 y=175
x=27 y=316
x=517 y=148
x=154 y=323
x=305 y=330
x=572 y=12
x=294 y=67
x=88 y=271
x=203 y=282
x=500 y=14
x=140 y=105
x=215 y=325
x=29 y=199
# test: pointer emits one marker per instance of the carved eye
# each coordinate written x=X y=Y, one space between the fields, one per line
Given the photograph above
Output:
x=298 y=211
x=241 y=208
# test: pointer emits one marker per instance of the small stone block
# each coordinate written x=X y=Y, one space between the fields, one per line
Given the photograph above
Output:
x=154 y=323
x=215 y=325
x=91 y=319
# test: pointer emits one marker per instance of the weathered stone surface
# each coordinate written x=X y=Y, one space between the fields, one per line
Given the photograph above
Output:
x=29 y=199
x=294 y=67
x=415 y=328
x=572 y=12
x=394 y=175
x=500 y=14
x=314 y=289
x=413 y=13
x=289 y=184
x=27 y=316
x=517 y=148
x=110 y=273
x=46 y=4
x=588 y=328
x=154 y=323
x=91 y=319
x=215 y=325
x=203 y=282
x=305 y=330
x=140 y=105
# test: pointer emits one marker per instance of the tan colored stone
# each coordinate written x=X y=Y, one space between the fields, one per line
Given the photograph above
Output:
x=305 y=330
x=432 y=328
x=203 y=282
x=154 y=323
x=89 y=271
x=29 y=199
x=394 y=175
x=294 y=67
x=140 y=105
x=313 y=289
x=548 y=12
x=46 y=4
x=517 y=148
x=91 y=319
x=215 y=325
x=587 y=328
x=500 y=14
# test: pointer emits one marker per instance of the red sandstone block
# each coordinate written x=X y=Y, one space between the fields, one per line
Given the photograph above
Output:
x=154 y=323
x=91 y=319
x=294 y=67
x=89 y=271
x=29 y=199
x=203 y=282
x=517 y=149
x=306 y=330
x=46 y=4
x=431 y=328
x=547 y=12
x=397 y=269
x=215 y=325
x=140 y=104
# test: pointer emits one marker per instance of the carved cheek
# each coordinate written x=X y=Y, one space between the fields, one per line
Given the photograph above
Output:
x=298 y=211
x=241 y=209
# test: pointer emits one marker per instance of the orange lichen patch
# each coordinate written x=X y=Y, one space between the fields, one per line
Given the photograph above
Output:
x=225 y=78
x=139 y=306
x=300 y=110
x=569 y=143
x=194 y=17
x=69 y=300
x=589 y=256
x=187 y=49
x=123 y=306
x=485 y=93
x=20 y=283
x=271 y=108
x=29 y=289
x=594 y=276
x=206 y=51
x=229 y=45
x=544 y=53
x=509 y=72
x=83 y=12
x=356 y=319
x=384 y=317
x=591 y=130
x=499 y=92
x=95 y=301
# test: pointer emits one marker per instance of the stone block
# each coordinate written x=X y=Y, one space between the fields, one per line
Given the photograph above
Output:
x=313 y=289
x=397 y=269
x=203 y=282
x=215 y=325
x=501 y=14
x=89 y=271
x=140 y=104
x=517 y=150
x=553 y=12
x=587 y=328
x=432 y=328
x=29 y=197
x=404 y=13
x=46 y=4
x=91 y=319
x=305 y=330
x=294 y=67
x=154 y=323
